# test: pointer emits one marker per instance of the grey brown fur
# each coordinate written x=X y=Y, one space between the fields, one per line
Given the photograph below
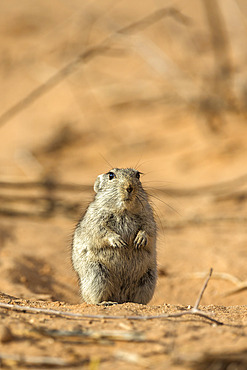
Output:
x=114 y=244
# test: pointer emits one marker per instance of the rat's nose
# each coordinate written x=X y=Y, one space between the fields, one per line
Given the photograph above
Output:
x=129 y=189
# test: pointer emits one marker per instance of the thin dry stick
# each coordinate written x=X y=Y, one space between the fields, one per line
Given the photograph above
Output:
x=192 y=311
x=34 y=360
x=240 y=285
x=154 y=18
x=52 y=82
x=19 y=185
x=101 y=49
x=221 y=47
x=217 y=275
x=203 y=290
x=93 y=335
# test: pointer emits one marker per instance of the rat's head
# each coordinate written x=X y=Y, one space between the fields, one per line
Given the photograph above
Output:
x=120 y=188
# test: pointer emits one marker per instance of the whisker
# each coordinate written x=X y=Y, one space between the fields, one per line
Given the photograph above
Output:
x=141 y=164
x=168 y=205
x=139 y=200
x=137 y=164
x=162 y=191
x=159 y=219
x=109 y=164
x=162 y=182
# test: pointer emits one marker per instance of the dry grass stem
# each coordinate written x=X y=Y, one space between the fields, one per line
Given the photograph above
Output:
x=94 y=335
x=104 y=47
x=192 y=311
x=16 y=359
x=240 y=285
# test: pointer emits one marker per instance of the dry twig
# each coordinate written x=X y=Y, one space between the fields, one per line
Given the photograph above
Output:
x=94 y=335
x=46 y=184
x=240 y=285
x=192 y=311
x=104 y=47
x=32 y=360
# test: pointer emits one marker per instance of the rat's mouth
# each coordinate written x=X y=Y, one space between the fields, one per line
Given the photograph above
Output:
x=129 y=201
x=129 y=197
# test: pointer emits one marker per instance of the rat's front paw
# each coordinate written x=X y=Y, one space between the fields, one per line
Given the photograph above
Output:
x=117 y=242
x=140 y=239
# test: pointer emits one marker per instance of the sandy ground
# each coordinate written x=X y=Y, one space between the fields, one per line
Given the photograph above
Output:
x=140 y=104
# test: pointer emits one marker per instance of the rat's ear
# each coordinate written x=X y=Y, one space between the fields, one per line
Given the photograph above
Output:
x=98 y=183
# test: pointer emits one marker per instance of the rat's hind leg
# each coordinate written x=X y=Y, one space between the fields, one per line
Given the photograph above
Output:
x=95 y=284
x=145 y=287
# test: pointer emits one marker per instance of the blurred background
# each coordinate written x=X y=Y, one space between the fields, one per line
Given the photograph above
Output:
x=160 y=86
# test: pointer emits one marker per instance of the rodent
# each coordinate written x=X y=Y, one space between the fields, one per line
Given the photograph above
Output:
x=114 y=243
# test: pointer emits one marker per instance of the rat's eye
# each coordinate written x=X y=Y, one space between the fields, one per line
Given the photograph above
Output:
x=111 y=175
x=138 y=174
